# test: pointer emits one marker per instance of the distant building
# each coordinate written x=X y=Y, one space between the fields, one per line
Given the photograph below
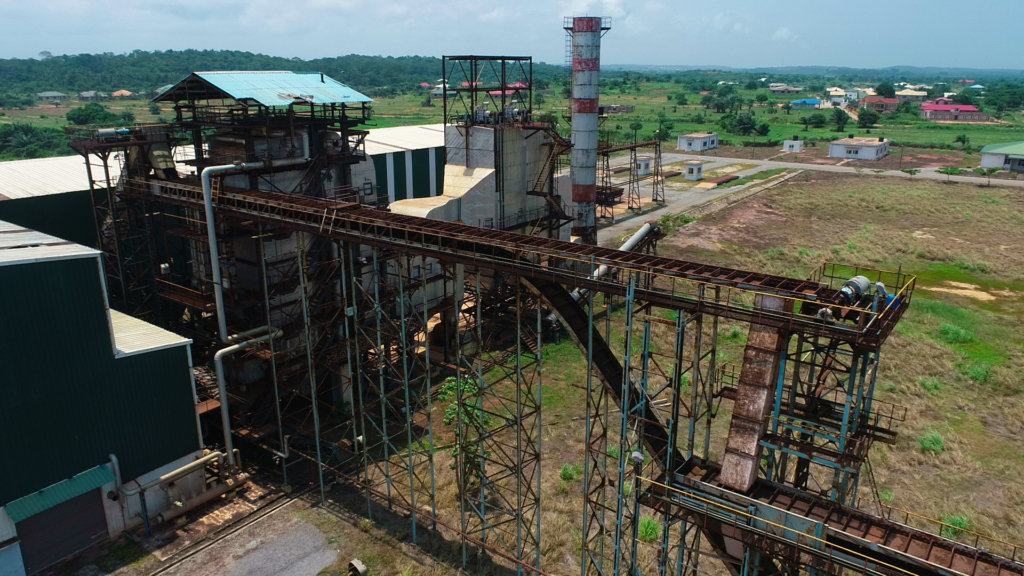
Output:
x=976 y=87
x=880 y=104
x=1006 y=156
x=941 y=100
x=953 y=113
x=91 y=96
x=122 y=94
x=694 y=170
x=836 y=95
x=784 y=89
x=795 y=145
x=908 y=95
x=806 y=104
x=614 y=109
x=642 y=167
x=859 y=148
x=697 y=141
x=51 y=97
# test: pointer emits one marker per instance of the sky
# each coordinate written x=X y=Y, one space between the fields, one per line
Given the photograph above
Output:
x=736 y=33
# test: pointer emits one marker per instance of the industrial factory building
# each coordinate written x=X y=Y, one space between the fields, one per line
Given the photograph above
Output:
x=97 y=405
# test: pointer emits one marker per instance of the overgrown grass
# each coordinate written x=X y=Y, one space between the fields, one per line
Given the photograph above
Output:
x=571 y=472
x=671 y=222
x=954 y=525
x=649 y=529
x=931 y=384
x=951 y=334
x=932 y=442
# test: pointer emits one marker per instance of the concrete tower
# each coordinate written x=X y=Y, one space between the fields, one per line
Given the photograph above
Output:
x=586 y=71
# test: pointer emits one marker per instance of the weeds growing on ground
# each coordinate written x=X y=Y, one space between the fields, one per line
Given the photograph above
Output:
x=886 y=496
x=931 y=385
x=954 y=526
x=951 y=334
x=571 y=472
x=649 y=529
x=932 y=442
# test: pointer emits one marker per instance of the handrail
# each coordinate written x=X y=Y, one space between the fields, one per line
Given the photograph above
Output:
x=688 y=284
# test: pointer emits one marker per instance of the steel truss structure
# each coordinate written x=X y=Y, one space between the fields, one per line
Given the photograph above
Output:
x=384 y=314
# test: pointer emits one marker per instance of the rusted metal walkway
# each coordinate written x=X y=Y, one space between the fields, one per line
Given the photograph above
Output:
x=674 y=284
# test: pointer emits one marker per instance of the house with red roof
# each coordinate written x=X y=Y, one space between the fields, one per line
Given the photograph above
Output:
x=953 y=113
x=880 y=104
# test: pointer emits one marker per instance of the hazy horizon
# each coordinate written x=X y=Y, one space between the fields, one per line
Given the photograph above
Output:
x=873 y=34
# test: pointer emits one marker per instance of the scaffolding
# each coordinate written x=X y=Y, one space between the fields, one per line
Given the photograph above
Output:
x=383 y=314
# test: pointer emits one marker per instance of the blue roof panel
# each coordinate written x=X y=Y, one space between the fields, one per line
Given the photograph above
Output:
x=283 y=88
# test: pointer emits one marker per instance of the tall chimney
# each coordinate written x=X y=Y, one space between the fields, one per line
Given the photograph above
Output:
x=586 y=72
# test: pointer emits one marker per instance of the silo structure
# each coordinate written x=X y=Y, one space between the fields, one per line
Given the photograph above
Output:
x=586 y=71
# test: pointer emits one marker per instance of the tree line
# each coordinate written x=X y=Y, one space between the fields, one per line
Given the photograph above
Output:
x=140 y=70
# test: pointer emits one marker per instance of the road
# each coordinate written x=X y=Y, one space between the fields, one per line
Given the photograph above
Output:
x=926 y=173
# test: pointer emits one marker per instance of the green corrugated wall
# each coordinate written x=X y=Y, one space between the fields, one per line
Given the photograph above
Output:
x=67 y=215
x=420 y=185
x=65 y=402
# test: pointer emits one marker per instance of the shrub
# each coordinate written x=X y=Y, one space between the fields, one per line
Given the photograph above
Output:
x=954 y=526
x=776 y=252
x=980 y=373
x=571 y=473
x=613 y=451
x=931 y=385
x=951 y=334
x=649 y=529
x=886 y=496
x=932 y=442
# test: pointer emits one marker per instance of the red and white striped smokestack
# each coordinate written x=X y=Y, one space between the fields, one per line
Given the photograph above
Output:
x=586 y=72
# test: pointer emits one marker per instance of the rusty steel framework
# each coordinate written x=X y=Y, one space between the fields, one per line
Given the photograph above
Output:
x=383 y=315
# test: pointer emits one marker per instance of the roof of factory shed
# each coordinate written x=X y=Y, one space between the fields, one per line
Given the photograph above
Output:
x=42 y=176
x=403 y=138
x=267 y=88
x=19 y=245
x=133 y=336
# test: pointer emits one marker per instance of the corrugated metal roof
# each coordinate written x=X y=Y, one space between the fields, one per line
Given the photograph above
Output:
x=133 y=336
x=60 y=492
x=42 y=176
x=402 y=138
x=20 y=245
x=273 y=88
x=1008 y=148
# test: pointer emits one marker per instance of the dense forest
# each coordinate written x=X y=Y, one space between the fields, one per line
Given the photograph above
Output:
x=147 y=71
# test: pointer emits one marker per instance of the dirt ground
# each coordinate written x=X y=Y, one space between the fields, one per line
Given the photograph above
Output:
x=955 y=359
x=817 y=153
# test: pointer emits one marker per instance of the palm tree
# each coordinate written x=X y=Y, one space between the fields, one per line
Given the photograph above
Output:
x=787 y=107
x=806 y=122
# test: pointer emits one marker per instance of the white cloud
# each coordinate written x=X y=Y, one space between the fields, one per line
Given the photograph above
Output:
x=783 y=35
x=725 y=21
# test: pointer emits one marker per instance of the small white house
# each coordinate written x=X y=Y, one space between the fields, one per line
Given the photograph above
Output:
x=859 y=148
x=694 y=170
x=697 y=141
x=795 y=145
x=1006 y=156
x=643 y=166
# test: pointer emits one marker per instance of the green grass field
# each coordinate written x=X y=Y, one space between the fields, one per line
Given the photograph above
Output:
x=652 y=102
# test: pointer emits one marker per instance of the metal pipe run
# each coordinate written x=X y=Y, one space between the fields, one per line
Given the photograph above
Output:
x=211 y=228
x=222 y=387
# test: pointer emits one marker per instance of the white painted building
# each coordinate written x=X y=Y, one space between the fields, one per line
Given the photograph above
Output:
x=643 y=166
x=694 y=170
x=795 y=145
x=697 y=141
x=1006 y=156
x=859 y=148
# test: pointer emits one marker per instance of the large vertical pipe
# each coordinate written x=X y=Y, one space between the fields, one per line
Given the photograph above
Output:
x=586 y=72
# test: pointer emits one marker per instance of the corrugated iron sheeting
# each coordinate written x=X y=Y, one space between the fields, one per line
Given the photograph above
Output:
x=400 y=139
x=59 y=493
x=66 y=402
x=274 y=88
x=42 y=176
x=133 y=336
